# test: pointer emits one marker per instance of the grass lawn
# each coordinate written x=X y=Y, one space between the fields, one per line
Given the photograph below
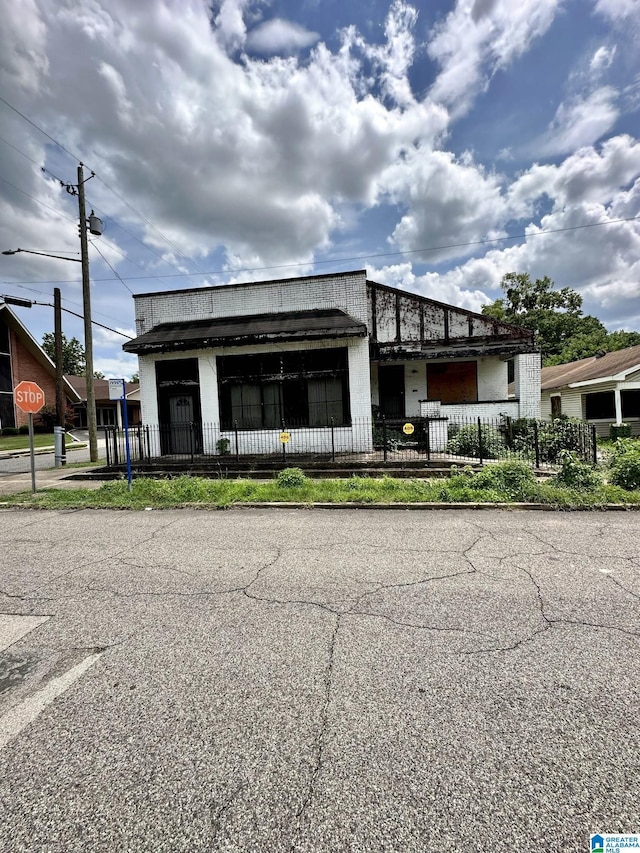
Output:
x=21 y=442
x=491 y=485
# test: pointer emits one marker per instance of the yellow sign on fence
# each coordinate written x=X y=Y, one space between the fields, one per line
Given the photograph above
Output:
x=285 y=437
x=408 y=429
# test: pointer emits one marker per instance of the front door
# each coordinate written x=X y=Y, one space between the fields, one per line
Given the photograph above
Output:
x=180 y=422
x=391 y=390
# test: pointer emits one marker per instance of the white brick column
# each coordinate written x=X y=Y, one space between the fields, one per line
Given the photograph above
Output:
x=527 y=382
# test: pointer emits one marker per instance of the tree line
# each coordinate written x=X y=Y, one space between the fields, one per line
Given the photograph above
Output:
x=562 y=331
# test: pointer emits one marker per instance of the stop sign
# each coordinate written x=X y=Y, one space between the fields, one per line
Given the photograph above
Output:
x=29 y=397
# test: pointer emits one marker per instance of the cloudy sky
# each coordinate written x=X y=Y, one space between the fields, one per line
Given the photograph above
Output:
x=437 y=144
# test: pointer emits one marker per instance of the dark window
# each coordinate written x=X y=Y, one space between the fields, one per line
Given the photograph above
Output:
x=300 y=388
x=7 y=411
x=4 y=337
x=556 y=406
x=630 y=404
x=5 y=373
x=599 y=406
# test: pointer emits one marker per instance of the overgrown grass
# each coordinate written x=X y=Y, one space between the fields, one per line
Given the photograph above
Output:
x=503 y=482
x=21 y=442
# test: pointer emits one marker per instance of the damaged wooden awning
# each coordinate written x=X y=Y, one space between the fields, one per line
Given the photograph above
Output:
x=330 y=323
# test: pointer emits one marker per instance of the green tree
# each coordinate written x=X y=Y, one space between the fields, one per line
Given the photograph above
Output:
x=562 y=331
x=135 y=378
x=73 y=357
x=97 y=374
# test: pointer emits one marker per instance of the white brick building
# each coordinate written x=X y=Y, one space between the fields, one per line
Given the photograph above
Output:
x=244 y=360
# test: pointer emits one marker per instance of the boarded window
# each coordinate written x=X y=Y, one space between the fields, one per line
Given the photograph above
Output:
x=600 y=406
x=455 y=382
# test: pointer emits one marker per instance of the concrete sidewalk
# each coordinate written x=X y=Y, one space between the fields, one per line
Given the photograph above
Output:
x=58 y=478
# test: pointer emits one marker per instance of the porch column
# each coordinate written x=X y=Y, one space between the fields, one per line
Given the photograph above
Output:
x=618 y=401
x=527 y=382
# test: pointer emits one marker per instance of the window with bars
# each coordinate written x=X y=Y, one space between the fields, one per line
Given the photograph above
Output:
x=300 y=388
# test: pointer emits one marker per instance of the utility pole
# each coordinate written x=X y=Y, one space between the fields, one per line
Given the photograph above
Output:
x=61 y=406
x=92 y=421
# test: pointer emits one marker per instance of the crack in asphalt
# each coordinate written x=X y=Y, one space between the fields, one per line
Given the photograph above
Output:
x=319 y=744
x=379 y=589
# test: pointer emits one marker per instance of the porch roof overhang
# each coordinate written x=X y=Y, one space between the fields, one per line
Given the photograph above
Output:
x=329 y=323
x=469 y=348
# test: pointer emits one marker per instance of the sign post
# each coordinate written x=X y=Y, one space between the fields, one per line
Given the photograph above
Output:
x=118 y=391
x=29 y=398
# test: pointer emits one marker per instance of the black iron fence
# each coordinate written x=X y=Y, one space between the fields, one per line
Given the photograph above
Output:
x=427 y=440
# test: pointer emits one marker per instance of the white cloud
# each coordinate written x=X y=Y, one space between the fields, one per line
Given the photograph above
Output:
x=617 y=10
x=230 y=25
x=586 y=176
x=280 y=36
x=602 y=58
x=581 y=121
x=480 y=37
x=431 y=285
x=449 y=202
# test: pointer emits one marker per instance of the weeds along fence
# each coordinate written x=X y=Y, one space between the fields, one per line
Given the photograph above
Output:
x=415 y=440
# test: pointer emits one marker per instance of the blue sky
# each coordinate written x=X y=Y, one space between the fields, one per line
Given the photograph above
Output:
x=438 y=145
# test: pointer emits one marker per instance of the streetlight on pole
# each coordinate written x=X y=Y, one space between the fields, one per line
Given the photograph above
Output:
x=95 y=227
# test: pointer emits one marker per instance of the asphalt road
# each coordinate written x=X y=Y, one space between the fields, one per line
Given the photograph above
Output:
x=304 y=680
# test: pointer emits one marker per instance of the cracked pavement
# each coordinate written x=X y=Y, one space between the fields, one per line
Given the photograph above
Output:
x=305 y=681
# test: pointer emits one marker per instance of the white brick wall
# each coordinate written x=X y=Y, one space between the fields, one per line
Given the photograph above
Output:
x=347 y=292
x=492 y=379
x=466 y=411
x=359 y=392
x=527 y=382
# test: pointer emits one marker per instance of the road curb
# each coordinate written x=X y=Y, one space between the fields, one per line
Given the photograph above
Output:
x=513 y=507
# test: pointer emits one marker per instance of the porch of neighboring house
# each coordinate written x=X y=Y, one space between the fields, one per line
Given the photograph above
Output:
x=603 y=389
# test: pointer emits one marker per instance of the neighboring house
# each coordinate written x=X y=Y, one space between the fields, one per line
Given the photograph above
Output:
x=318 y=350
x=22 y=358
x=108 y=412
x=603 y=389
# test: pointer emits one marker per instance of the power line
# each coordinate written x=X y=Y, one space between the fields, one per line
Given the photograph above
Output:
x=37 y=200
x=363 y=257
x=93 y=322
x=117 y=275
x=44 y=132
x=102 y=181
x=106 y=216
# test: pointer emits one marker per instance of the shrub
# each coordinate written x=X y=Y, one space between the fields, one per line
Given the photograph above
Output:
x=223 y=446
x=11 y=430
x=513 y=479
x=291 y=478
x=576 y=474
x=619 y=431
x=24 y=429
x=625 y=466
x=467 y=442
x=621 y=447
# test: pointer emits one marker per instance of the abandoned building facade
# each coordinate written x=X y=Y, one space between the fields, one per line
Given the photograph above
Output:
x=250 y=359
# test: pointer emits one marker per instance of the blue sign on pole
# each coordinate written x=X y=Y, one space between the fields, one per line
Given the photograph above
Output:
x=118 y=391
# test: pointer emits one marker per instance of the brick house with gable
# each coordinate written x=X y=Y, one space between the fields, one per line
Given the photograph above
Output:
x=22 y=358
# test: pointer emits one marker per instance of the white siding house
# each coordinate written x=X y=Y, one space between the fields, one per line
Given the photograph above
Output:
x=603 y=389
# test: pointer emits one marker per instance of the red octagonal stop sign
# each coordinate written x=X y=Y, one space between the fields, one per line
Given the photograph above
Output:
x=29 y=397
